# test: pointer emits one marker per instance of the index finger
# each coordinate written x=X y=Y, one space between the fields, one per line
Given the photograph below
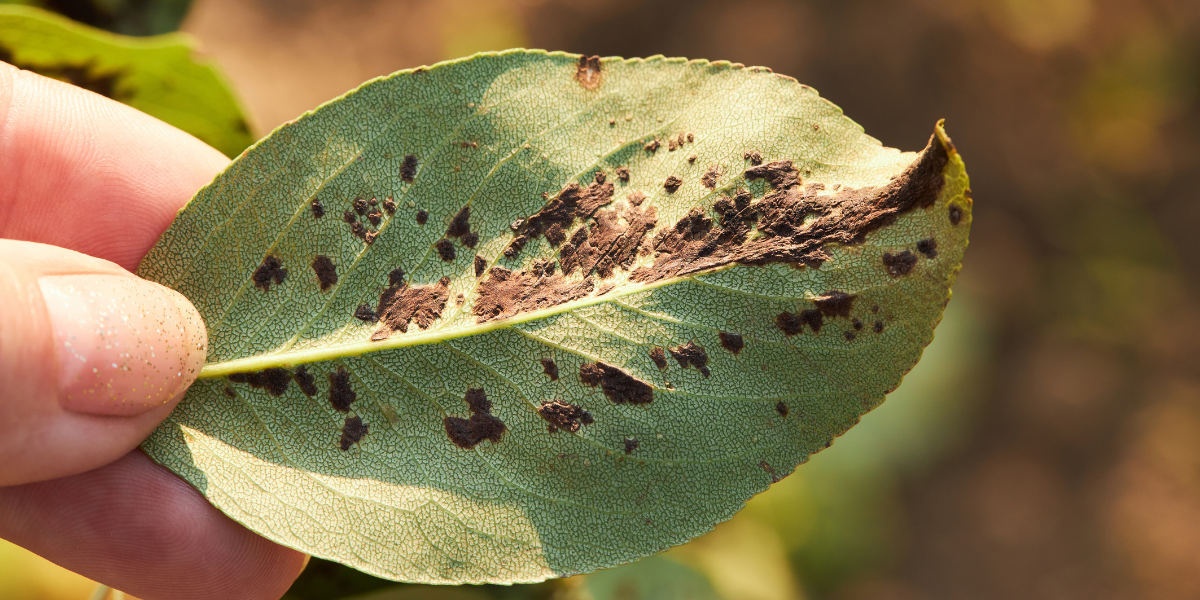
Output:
x=85 y=172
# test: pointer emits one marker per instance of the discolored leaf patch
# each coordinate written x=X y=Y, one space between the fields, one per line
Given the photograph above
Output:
x=482 y=425
x=618 y=386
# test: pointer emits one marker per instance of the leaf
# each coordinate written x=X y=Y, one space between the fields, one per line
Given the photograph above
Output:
x=579 y=361
x=156 y=75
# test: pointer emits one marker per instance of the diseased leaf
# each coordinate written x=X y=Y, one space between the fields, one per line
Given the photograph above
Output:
x=157 y=75
x=525 y=315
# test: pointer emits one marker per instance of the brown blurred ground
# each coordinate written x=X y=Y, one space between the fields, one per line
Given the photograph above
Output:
x=1078 y=475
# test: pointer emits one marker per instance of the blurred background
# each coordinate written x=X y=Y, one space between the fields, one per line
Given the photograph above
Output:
x=1047 y=446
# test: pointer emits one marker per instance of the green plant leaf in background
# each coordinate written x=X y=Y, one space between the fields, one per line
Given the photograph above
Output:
x=158 y=75
x=525 y=315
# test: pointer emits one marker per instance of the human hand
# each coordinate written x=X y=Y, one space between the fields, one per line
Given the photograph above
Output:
x=92 y=358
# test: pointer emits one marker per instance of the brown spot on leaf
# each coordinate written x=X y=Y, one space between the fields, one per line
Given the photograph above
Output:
x=956 y=214
x=588 y=72
x=780 y=174
x=611 y=241
x=375 y=216
x=460 y=225
x=389 y=205
x=770 y=470
x=326 y=272
x=422 y=216
x=794 y=221
x=691 y=354
x=564 y=416
x=445 y=249
x=506 y=293
x=274 y=380
x=341 y=395
x=630 y=445
x=396 y=277
x=692 y=158
x=352 y=432
x=878 y=327
x=652 y=146
x=480 y=265
x=849 y=335
x=754 y=156
x=857 y=324
x=659 y=357
x=710 y=177
x=408 y=168
x=349 y=217
x=364 y=313
x=835 y=304
x=781 y=408
x=788 y=323
x=318 y=209
x=304 y=379
x=813 y=318
x=636 y=198
x=899 y=264
x=623 y=174
x=229 y=393
x=470 y=240
x=550 y=368
x=482 y=425
x=672 y=184
x=574 y=201
x=401 y=305
x=731 y=341
x=360 y=206
x=928 y=248
x=618 y=386
x=270 y=270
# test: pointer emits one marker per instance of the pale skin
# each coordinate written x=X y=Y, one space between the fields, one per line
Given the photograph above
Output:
x=93 y=358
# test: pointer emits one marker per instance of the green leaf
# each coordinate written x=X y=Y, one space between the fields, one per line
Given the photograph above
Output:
x=586 y=369
x=157 y=75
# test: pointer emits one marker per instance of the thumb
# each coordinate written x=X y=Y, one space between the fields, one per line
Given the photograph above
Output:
x=92 y=358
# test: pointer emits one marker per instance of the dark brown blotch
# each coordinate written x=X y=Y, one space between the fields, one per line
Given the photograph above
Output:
x=878 y=327
x=445 y=249
x=587 y=73
x=788 y=323
x=849 y=335
x=396 y=277
x=956 y=214
x=365 y=313
x=566 y=417
x=691 y=354
x=482 y=425
x=401 y=305
x=835 y=304
x=270 y=270
x=731 y=341
x=559 y=213
x=754 y=156
x=318 y=209
x=898 y=264
x=326 y=271
x=341 y=395
x=652 y=146
x=814 y=318
x=360 y=206
x=389 y=206
x=480 y=265
x=470 y=240
x=274 y=380
x=623 y=174
x=620 y=387
x=408 y=168
x=781 y=408
x=928 y=247
x=630 y=445
x=506 y=293
x=710 y=177
x=550 y=368
x=858 y=325
x=672 y=184
x=460 y=225
x=304 y=379
x=352 y=432
x=349 y=217
x=229 y=393
x=659 y=356
x=375 y=216
x=422 y=216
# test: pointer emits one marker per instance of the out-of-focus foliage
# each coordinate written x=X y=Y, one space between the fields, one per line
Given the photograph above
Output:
x=127 y=17
x=159 y=76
